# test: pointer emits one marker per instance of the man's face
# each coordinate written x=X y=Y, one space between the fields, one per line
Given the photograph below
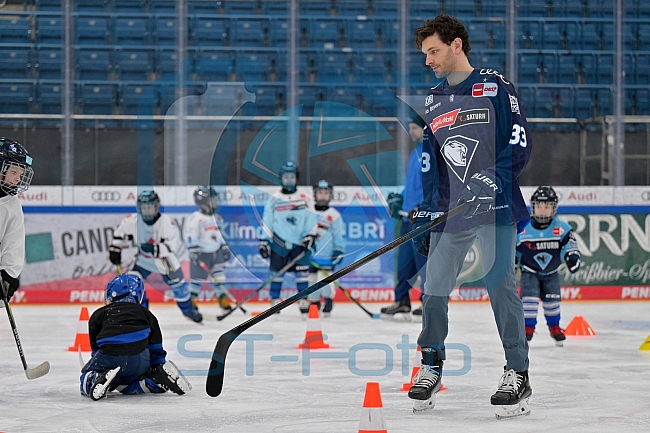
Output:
x=323 y=195
x=288 y=179
x=440 y=56
x=13 y=174
x=543 y=209
x=415 y=131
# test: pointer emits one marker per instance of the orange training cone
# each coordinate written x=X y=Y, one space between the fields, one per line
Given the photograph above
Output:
x=82 y=339
x=372 y=414
x=314 y=336
x=579 y=327
x=416 y=367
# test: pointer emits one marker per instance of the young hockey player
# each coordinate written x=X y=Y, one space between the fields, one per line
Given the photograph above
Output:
x=330 y=244
x=128 y=353
x=409 y=262
x=207 y=249
x=288 y=223
x=541 y=247
x=476 y=143
x=15 y=176
x=159 y=246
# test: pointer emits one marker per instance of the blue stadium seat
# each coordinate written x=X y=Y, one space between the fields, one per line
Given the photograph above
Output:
x=164 y=6
x=131 y=31
x=214 y=65
x=590 y=36
x=549 y=68
x=308 y=95
x=361 y=34
x=480 y=36
x=15 y=62
x=604 y=105
x=342 y=96
x=566 y=102
x=643 y=102
x=643 y=69
x=389 y=30
x=584 y=104
x=49 y=63
x=630 y=36
x=382 y=102
x=315 y=7
x=463 y=9
x=529 y=68
x=352 y=9
x=604 y=8
x=167 y=97
x=421 y=9
x=545 y=102
x=49 y=29
x=91 y=30
x=164 y=31
x=526 y=95
x=497 y=31
x=266 y=101
x=607 y=36
x=332 y=67
x=275 y=7
x=494 y=9
x=204 y=7
x=567 y=69
x=572 y=35
x=278 y=31
x=49 y=98
x=48 y=5
x=305 y=67
x=604 y=69
x=370 y=68
x=93 y=64
x=587 y=68
x=97 y=98
x=165 y=62
x=131 y=6
x=553 y=37
x=246 y=32
x=572 y=8
x=644 y=35
x=209 y=31
x=629 y=104
x=321 y=32
x=91 y=5
x=16 y=97
x=491 y=60
x=16 y=30
x=252 y=67
x=241 y=7
x=533 y=8
x=130 y=97
x=418 y=71
x=629 y=66
x=134 y=64
x=535 y=34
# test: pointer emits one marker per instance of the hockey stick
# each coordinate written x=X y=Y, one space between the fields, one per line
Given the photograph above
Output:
x=349 y=296
x=31 y=373
x=214 y=382
x=268 y=280
x=231 y=297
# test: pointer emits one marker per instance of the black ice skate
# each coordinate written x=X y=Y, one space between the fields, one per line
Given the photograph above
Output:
x=327 y=308
x=511 y=398
x=169 y=378
x=558 y=335
x=303 y=305
x=102 y=384
x=426 y=384
x=193 y=315
x=399 y=311
x=417 y=315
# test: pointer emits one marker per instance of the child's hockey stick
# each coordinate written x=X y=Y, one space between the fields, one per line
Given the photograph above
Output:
x=349 y=295
x=231 y=297
x=268 y=280
x=214 y=383
x=31 y=373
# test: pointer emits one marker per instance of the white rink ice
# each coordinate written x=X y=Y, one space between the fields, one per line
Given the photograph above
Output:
x=599 y=384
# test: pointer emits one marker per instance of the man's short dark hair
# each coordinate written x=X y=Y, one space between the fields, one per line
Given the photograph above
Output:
x=447 y=28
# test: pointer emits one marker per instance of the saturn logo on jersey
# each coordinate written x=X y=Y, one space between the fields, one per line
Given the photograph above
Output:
x=458 y=152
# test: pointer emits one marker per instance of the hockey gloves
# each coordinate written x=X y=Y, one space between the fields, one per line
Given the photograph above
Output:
x=423 y=241
x=152 y=249
x=9 y=284
x=225 y=253
x=395 y=202
x=573 y=262
x=307 y=243
x=265 y=249
x=115 y=255
x=337 y=257
x=479 y=194
x=194 y=255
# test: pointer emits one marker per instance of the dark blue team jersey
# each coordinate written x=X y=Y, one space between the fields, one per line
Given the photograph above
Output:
x=476 y=126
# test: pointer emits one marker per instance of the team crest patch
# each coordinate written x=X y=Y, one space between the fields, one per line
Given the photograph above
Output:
x=458 y=152
x=543 y=259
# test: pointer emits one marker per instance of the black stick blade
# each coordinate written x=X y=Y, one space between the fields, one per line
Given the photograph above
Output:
x=214 y=383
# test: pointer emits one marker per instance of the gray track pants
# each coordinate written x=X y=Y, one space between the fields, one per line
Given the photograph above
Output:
x=445 y=261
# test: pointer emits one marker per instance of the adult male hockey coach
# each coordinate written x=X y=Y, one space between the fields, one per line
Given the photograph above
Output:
x=475 y=145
